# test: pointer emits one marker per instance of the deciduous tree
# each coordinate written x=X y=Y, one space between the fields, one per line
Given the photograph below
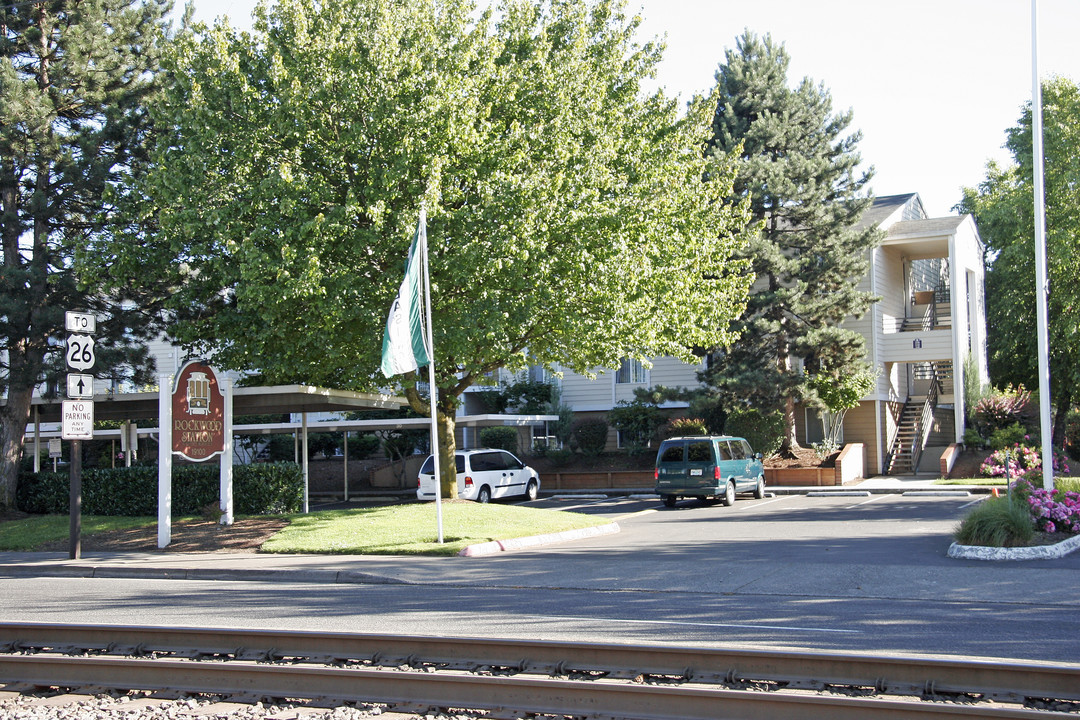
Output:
x=1003 y=206
x=571 y=219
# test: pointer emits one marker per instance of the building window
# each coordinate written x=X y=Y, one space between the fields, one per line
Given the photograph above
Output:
x=630 y=371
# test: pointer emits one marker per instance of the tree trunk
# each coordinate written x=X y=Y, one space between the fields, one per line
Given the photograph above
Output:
x=791 y=441
x=447 y=447
x=1064 y=404
x=444 y=431
x=13 y=418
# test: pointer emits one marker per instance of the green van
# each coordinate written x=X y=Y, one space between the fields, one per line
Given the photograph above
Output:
x=708 y=467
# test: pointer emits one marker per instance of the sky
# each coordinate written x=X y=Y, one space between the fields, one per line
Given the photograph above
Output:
x=933 y=84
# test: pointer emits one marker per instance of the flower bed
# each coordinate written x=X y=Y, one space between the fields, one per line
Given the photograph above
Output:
x=1052 y=510
x=1020 y=461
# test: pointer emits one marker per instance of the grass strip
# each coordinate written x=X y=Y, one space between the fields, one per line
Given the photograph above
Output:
x=27 y=533
x=412 y=529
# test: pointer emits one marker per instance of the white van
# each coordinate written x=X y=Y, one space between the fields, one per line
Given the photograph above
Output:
x=482 y=475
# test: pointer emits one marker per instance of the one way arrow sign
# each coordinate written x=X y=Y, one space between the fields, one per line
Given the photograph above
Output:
x=80 y=387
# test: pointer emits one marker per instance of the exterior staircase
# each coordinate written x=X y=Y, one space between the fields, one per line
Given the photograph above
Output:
x=901 y=459
x=915 y=423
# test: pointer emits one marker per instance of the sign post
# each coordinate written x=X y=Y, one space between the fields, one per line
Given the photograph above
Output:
x=196 y=424
x=78 y=413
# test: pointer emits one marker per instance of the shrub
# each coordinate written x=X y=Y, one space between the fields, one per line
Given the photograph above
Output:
x=591 y=436
x=996 y=522
x=638 y=422
x=972 y=438
x=686 y=426
x=264 y=488
x=363 y=446
x=560 y=458
x=1056 y=510
x=1002 y=409
x=711 y=411
x=1010 y=436
x=1072 y=434
x=502 y=438
x=764 y=431
x=1018 y=461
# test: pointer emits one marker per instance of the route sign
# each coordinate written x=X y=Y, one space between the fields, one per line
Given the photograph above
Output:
x=80 y=352
x=80 y=322
x=80 y=387
x=77 y=420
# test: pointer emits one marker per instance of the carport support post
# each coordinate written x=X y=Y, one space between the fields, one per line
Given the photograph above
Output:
x=227 y=455
x=164 y=533
x=304 y=454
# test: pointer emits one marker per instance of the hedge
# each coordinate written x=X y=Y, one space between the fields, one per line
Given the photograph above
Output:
x=500 y=437
x=258 y=489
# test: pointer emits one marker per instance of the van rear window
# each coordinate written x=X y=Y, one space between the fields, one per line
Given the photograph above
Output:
x=699 y=451
x=672 y=453
x=429 y=465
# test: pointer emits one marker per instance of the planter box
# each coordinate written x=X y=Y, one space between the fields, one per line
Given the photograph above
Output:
x=795 y=476
x=850 y=465
x=597 y=480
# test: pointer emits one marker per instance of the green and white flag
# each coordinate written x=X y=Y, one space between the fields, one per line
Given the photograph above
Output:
x=403 y=344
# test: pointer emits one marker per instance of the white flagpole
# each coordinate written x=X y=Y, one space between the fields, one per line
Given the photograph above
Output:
x=1042 y=286
x=429 y=341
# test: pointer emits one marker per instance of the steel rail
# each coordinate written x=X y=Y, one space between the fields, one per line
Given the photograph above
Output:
x=500 y=695
x=1004 y=681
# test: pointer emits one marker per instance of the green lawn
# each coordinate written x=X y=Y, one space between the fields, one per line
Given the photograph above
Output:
x=408 y=529
x=411 y=529
x=1000 y=482
x=28 y=533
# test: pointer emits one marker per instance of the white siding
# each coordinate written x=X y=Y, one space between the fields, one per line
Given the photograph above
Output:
x=603 y=393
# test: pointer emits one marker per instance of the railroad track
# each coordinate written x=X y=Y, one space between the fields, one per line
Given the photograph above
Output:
x=514 y=678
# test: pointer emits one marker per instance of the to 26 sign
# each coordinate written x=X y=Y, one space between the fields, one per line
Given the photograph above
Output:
x=80 y=352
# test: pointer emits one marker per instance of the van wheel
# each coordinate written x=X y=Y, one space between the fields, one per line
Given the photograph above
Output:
x=531 y=490
x=729 y=495
x=759 y=491
x=484 y=496
x=670 y=500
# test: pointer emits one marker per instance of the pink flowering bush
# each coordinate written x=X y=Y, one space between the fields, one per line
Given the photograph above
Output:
x=1052 y=510
x=1020 y=460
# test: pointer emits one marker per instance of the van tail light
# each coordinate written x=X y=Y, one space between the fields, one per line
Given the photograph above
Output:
x=716 y=474
x=468 y=481
x=656 y=474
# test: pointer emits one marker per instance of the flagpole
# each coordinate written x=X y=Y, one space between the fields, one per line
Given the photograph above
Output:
x=1041 y=285
x=433 y=392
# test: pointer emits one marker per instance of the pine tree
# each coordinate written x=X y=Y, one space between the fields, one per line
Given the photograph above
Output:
x=73 y=80
x=799 y=173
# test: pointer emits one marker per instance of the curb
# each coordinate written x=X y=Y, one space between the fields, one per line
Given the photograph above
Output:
x=839 y=493
x=497 y=546
x=1040 y=552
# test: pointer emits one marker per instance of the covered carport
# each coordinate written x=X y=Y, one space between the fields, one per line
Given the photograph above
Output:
x=281 y=399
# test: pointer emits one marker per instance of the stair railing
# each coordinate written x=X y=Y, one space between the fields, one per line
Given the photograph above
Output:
x=926 y=419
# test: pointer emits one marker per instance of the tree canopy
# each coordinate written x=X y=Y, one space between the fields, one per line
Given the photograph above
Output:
x=798 y=170
x=74 y=80
x=1003 y=206
x=573 y=219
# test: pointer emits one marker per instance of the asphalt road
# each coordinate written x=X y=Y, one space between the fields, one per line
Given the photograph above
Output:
x=846 y=574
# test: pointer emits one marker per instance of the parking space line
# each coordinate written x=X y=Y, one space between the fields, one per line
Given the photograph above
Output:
x=874 y=498
x=635 y=514
x=767 y=502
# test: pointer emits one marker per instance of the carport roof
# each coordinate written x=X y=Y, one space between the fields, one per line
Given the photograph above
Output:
x=246 y=401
